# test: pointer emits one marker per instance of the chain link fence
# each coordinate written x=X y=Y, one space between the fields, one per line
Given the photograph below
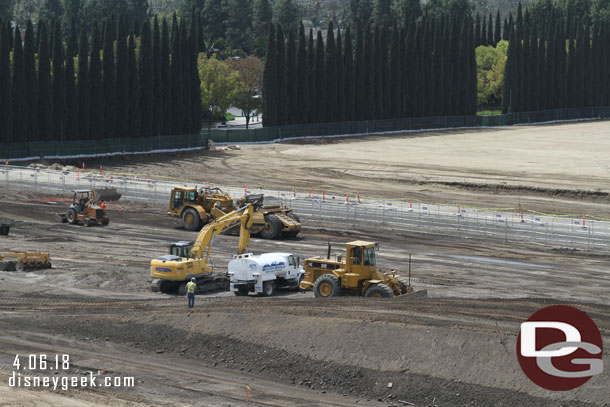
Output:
x=268 y=134
x=316 y=210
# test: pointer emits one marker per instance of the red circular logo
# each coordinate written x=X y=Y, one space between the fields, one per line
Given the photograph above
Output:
x=560 y=348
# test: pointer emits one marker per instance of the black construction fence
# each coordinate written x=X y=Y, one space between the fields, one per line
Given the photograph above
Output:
x=72 y=148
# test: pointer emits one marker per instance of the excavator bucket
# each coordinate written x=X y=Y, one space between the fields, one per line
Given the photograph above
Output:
x=106 y=194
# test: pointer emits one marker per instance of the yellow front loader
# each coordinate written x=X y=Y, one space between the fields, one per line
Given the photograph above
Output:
x=23 y=261
x=188 y=260
x=357 y=275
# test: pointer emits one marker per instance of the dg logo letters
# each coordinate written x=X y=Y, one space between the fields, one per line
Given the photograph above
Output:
x=560 y=348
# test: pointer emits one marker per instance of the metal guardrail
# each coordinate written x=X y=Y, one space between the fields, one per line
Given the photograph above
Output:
x=483 y=224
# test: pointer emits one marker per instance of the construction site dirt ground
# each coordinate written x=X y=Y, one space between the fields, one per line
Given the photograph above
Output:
x=454 y=348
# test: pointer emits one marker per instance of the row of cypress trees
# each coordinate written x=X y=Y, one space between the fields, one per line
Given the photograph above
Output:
x=488 y=34
x=556 y=65
x=119 y=81
x=426 y=69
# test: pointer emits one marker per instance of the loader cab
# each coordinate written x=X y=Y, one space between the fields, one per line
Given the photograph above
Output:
x=181 y=249
x=181 y=197
x=360 y=262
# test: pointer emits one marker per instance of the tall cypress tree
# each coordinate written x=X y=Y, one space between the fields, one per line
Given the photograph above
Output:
x=19 y=98
x=176 y=80
x=497 y=29
x=59 y=84
x=385 y=112
x=587 y=62
x=83 y=88
x=133 y=99
x=408 y=71
x=6 y=101
x=71 y=116
x=96 y=100
x=509 y=74
x=359 y=78
x=122 y=81
x=156 y=85
x=45 y=109
x=291 y=80
x=596 y=79
x=350 y=79
x=282 y=91
x=490 y=31
x=195 y=83
x=395 y=75
x=484 y=31
x=109 y=82
x=31 y=84
x=369 y=99
x=185 y=117
x=146 y=78
x=340 y=74
x=320 y=80
x=580 y=45
x=270 y=81
x=477 y=30
x=166 y=120
x=562 y=67
x=572 y=98
x=330 y=65
x=302 y=79
x=312 y=112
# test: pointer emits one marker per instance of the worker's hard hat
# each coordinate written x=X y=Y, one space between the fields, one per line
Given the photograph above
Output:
x=193 y=279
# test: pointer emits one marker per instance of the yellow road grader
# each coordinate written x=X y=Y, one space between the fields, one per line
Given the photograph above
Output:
x=357 y=275
x=23 y=261
x=199 y=207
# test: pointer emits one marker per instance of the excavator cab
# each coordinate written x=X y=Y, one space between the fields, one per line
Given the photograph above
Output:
x=181 y=249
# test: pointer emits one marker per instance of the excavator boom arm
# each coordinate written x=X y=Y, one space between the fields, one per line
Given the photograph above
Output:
x=242 y=216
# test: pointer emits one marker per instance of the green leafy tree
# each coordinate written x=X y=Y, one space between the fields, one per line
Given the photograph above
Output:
x=214 y=18
x=45 y=110
x=96 y=99
x=218 y=84
x=59 y=84
x=490 y=73
x=249 y=81
x=239 y=32
x=51 y=10
x=286 y=14
x=262 y=15
x=360 y=12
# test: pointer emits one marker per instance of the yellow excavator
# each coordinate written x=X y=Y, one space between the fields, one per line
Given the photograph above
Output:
x=188 y=260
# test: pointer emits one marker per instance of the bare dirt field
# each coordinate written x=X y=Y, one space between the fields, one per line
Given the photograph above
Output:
x=454 y=348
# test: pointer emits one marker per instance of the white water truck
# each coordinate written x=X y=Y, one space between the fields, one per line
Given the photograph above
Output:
x=264 y=274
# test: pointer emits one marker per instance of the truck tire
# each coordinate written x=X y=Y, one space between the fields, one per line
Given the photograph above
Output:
x=268 y=289
x=327 y=286
x=71 y=216
x=273 y=227
x=292 y=233
x=191 y=219
x=379 y=291
x=241 y=291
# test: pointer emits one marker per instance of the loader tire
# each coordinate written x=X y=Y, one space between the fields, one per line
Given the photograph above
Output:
x=71 y=216
x=105 y=221
x=379 y=291
x=292 y=233
x=191 y=219
x=273 y=227
x=327 y=286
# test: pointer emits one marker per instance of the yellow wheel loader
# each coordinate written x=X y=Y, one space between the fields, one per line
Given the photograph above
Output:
x=357 y=275
x=198 y=208
x=188 y=260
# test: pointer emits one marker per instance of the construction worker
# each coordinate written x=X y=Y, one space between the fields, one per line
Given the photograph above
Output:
x=190 y=292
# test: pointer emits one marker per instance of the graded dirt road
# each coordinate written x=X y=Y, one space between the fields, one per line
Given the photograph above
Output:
x=556 y=168
x=454 y=348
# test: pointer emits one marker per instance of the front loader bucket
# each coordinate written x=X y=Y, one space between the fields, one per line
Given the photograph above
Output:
x=106 y=194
